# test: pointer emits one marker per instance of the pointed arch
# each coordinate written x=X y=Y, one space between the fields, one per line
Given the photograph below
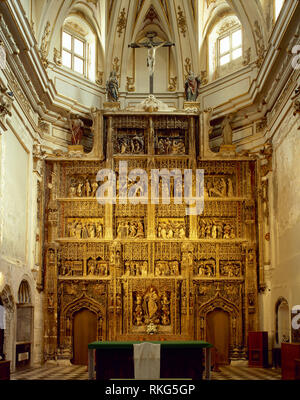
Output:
x=219 y=302
x=67 y=321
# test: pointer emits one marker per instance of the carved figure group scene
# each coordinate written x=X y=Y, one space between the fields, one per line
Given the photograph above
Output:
x=218 y=187
x=71 y=268
x=170 y=145
x=216 y=229
x=97 y=267
x=166 y=268
x=85 y=228
x=151 y=307
x=230 y=268
x=171 y=228
x=130 y=229
x=206 y=268
x=136 y=268
x=129 y=144
x=134 y=187
x=82 y=187
x=75 y=268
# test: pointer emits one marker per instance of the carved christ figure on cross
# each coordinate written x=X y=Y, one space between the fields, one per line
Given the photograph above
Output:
x=152 y=47
x=151 y=55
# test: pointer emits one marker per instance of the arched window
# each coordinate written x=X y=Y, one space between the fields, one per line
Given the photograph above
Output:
x=229 y=46
x=78 y=47
x=225 y=46
x=277 y=7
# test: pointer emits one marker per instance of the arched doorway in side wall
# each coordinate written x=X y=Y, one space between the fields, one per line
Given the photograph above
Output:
x=24 y=331
x=84 y=332
x=218 y=334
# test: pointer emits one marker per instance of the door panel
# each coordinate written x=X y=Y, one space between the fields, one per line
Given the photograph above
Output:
x=218 y=334
x=84 y=332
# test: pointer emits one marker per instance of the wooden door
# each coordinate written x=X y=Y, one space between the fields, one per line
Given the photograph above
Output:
x=218 y=334
x=84 y=332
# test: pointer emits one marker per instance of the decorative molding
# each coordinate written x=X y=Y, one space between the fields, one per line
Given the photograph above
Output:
x=229 y=23
x=57 y=57
x=260 y=44
x=6 y=100
x=203 y=77
x=187 y=67
x=191 y=106
x=44 y=49
x=261 y=125
x=44 y=126
x=172 y=84
x=151 y=15
x=266 y=156
x=76 y=28
x=122 y=21
x=8 y=36
x=38 y=155
x=99 y=80
x=247 y=56
x=130 y=84
x=181 y=20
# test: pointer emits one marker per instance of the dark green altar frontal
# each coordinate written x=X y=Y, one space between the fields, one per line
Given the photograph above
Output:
x=179 y=359
x=170 y=344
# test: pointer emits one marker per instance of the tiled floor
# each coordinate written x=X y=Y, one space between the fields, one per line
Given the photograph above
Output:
x=246 y=373
x=80 y=373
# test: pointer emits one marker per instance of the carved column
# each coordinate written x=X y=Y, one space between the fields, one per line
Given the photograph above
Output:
x=187 y=268
x=108 y=208
x=193 y=165
x=50 y=303
x=151 y=234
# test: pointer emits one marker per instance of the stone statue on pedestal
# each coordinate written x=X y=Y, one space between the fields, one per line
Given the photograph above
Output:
x=112 y=87
x=192 y=87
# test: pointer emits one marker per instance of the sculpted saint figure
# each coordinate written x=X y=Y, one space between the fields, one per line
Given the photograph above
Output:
x=77 y=130
x=112 y=87
x=151 y=303
x=192 y=87
x=226 y=129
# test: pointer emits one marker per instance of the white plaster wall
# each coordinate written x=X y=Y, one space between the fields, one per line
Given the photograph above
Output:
x=283 y=274
x=286 y=181
x=15 y=199
x=17 y=225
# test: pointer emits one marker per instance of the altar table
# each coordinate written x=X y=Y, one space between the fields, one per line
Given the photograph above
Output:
x=178 y=359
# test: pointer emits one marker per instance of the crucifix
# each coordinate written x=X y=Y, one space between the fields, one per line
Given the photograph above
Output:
x=152 y=46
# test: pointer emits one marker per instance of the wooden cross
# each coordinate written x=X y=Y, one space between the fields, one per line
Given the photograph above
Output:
x=152 y=46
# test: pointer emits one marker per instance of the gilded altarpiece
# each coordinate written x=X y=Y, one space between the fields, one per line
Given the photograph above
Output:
x=149 y=270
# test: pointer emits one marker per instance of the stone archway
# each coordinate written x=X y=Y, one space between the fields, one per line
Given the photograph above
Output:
x=67 y=323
